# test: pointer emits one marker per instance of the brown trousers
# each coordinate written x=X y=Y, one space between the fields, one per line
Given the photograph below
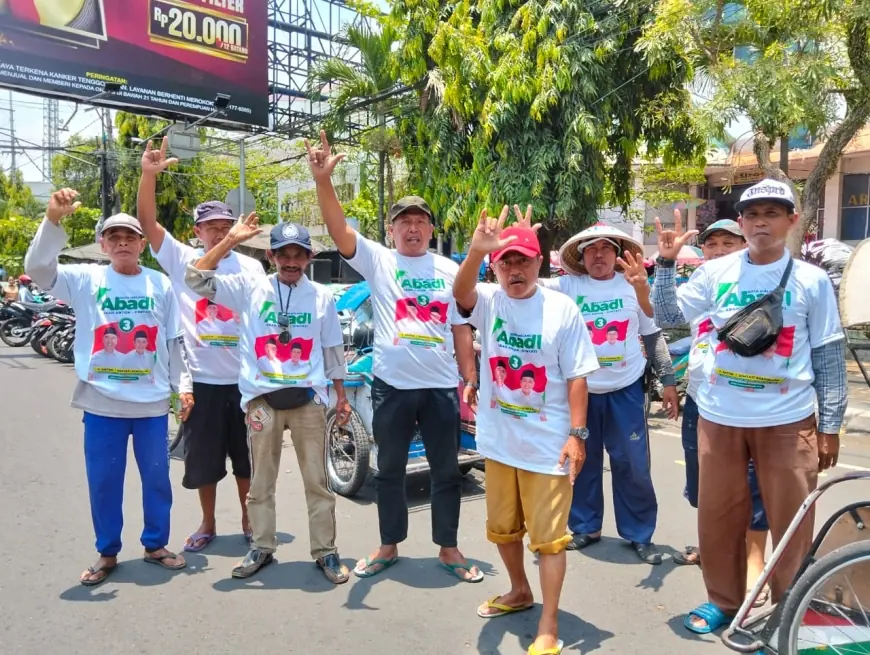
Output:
x=787 y=463
x=307 y=425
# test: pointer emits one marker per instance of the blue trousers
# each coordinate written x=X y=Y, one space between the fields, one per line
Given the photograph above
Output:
x=690 y=448
x=106 y=462
x=617 y=422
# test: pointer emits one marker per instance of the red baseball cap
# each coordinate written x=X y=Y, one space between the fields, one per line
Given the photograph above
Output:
x=525 y=243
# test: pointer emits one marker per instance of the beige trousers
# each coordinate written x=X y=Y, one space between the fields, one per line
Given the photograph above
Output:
x=307 y=425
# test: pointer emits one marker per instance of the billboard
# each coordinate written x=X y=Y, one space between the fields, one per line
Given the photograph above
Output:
x=167 y=55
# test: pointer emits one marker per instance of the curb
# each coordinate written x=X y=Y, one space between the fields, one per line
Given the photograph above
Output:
x=857 y=421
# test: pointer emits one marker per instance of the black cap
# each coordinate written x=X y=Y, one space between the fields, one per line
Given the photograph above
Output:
x=289 y=234
x=212 y=210
x=140 y=334
x=407 y=203
x=110 y=330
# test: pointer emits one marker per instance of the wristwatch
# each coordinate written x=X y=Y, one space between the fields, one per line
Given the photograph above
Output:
x=472 y=384
x=581 y=433
x=665 y=263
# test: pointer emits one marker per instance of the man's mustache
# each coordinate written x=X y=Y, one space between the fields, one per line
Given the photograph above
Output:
x=516 y=278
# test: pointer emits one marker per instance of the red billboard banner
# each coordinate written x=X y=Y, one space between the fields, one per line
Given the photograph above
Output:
x=167 y=55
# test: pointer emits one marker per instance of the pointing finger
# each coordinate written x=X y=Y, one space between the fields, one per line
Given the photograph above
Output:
x=482 y=221
x=148 y=146
x=678 y=222
x=518 y=213
x=529 y=213
x=325 y=143
x=163 y=147
x=308 y=147
x=502 y=217
x=658 y=222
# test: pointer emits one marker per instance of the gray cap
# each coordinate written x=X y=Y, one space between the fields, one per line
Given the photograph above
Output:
x=724 y=225
x=122 y=220
x=408 y=203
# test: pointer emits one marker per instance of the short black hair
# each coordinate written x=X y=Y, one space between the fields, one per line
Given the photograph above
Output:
x=528 y=373
x=296 y=346
x=140 y=334
x=272 y=341
x=613 y=328
x=110 y=330
x=501 y=364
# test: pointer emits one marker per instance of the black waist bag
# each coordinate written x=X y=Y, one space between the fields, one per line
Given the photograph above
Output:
x=756 y=327
x=289 y=398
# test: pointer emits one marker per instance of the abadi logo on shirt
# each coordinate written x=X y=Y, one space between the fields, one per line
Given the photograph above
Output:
x=598 y=306
x=733 y=297
x=513 y=340
x=418 y=284
x=117 y=304
x=270 y=317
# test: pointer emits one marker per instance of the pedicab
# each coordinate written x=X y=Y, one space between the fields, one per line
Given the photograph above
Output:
x=826 y=609
x=351 y=452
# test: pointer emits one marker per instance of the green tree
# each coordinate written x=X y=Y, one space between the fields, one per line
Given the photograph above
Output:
x=782 y=65
x=354 y=85
x=544 y=102
x=77 y=167
x=16 y=198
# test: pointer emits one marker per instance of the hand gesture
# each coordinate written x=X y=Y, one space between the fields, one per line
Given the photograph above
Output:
x=633 y=269
x=525 y=221
x=245 y=229
x=672 y=241
x=61 y=204
x=574 y=454
x=155 y=162
x=321 y=160
x=469 y=397
x=671 y=402
x=829 y=449
x=487 y=235
x=342 y=411
x=186 y=406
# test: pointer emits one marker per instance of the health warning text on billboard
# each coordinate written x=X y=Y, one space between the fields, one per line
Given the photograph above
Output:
x=168 y=55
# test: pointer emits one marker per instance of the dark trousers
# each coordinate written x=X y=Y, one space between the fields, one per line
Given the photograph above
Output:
x=397 y=414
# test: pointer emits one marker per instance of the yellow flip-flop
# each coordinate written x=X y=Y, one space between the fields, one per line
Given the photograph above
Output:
x=502 y=609
x=555 y=650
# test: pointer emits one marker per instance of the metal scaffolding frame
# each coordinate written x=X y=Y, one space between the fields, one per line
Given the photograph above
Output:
x=302 y=32
x=50 y=134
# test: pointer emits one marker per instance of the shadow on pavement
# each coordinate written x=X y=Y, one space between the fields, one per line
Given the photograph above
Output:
x=418 y=573
x=618 y=551
x=304 y=576
x=675 y=623
x=135 y=572
x=235 y=545
x=417 y=490
x=578 y=635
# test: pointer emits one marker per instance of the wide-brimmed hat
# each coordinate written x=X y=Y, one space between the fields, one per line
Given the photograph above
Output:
x=571 y=253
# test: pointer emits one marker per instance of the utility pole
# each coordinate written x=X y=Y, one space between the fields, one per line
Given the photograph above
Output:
x=106 y=177
x=12 y=132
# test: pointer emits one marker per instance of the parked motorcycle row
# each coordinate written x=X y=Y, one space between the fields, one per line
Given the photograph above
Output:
x=47 y=326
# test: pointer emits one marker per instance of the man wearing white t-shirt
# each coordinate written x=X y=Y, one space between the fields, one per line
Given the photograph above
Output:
x=415 y=374
x=530 y=465
x=269 y=363
x=140 y=359
x=778 y=431
x=215 y=429
x=269 y=308
x=123 y=294
x=617 y=420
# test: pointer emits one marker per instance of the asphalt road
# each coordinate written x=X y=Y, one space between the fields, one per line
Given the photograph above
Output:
x=612 y=603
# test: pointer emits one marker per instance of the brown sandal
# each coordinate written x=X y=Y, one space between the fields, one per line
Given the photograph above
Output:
x=93 y=582
x=161 y=560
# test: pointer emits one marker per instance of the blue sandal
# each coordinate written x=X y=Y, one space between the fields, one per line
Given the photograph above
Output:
x=712 y=615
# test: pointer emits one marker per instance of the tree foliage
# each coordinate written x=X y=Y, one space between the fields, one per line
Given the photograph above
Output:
x=16 y=198
x=545 y=102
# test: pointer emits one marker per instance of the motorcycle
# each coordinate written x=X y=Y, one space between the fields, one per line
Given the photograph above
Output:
x=44 y=325
x=60 y=339
x=16 y=328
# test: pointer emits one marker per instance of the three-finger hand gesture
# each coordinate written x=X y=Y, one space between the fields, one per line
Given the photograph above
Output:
x=155 y=162
x=672 y=241
x=525 y=221
x=245 y=229
x=61 y=204
x=633 y=269
x=487 y=235
x=321 y=160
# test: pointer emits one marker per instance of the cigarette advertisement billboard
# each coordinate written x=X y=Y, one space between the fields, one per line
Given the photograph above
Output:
x=167 y=55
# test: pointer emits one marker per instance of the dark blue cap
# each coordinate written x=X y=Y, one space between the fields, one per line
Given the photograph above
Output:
x=289 y=234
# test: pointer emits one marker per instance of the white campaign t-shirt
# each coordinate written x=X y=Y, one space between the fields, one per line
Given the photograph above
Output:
x=267 y=364
x=700 y=330
x=529 y=349
x=112 y=312
x=615 y=321
x=211 y=332
x=774 y=388
x=414 y=310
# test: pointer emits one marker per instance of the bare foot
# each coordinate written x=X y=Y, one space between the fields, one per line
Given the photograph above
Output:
x=456 y=562
x=99 y=571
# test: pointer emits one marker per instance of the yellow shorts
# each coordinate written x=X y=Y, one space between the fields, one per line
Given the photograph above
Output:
x=518 y=501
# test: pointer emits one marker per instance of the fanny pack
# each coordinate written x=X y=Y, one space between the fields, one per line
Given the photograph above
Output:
x=756 y=327
x=289 y=398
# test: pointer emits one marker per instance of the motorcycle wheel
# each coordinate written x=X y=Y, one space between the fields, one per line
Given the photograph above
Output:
x=37 y=342
x=64 y=349
x=15 y=332
x=347 y=454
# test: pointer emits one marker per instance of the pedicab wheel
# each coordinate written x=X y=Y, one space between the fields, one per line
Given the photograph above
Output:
x=347 y=454
x=825 y=603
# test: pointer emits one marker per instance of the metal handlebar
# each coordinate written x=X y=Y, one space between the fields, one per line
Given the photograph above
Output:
x=749 y=601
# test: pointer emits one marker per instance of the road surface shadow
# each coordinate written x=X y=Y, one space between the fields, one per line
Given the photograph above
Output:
x=137 y=572
x=417 y=490
x=414 y=572
x=578 y=635
x=677 y=626
x=618 y=551
x=304 y=576
x=235 y=545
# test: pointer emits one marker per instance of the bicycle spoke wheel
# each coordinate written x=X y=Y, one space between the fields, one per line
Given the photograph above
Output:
x=828 y=611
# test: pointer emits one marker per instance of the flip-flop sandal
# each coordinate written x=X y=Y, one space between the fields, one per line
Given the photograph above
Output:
x=502 y=609
x=712 y=615
x=456 y=568
x=762 y=599
x=363 y=572
x=555 y=650
x=691 y=556
x=105 y=570
x=205 y=537
x=161 y=560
